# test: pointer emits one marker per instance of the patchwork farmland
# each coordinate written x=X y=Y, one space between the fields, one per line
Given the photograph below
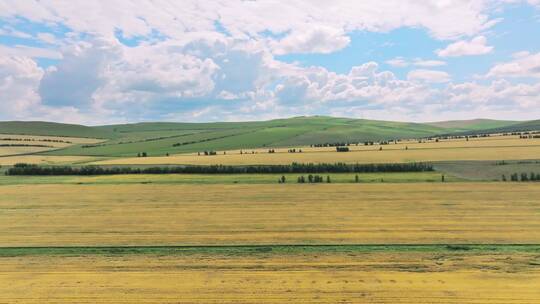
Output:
x=465 y=231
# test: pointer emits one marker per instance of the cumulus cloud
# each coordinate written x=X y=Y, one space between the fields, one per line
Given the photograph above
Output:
x=306 y=22
x=476 y=46
x=19 y=97
x=28 y=51
x=429 y=76
x=19 y=79
x=216 y=60
x=524 y=64
x=318 y=40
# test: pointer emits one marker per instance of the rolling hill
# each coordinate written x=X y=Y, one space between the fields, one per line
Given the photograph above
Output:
x=472 y=124
x=53 y=129
x=517 y=127
x=159 y=138
x=162 y=138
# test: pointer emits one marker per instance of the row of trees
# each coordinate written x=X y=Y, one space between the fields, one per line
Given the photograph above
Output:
x=35 y=139
x=30 y=169
x=347 y=144
x=26 y=145
x=313 y=179
x=523 y=177
x=208 y=153
x=336 y=144
x=208 y=139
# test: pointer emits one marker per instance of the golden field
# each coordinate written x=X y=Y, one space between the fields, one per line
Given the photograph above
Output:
x=52 y=143
x=147 y=214
x=315 y=277
x=7 y=151
x=498 y=148
x=492 y=141
x=45 y=159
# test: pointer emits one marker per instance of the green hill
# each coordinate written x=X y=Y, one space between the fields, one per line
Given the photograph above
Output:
x=532 y=125
x=52 y=129
x=162 y=138
x=472 y=124
x=159 y=138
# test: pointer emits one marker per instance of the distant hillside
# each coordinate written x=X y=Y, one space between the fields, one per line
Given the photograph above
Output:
x=52 y=129
x=472 y=124
x=159 y=138
x=532 y=125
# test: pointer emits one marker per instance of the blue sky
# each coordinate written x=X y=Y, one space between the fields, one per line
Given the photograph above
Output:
x=124 y=61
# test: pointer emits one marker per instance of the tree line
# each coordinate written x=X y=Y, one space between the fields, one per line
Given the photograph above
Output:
x=523 y=177
x=34 y=139
x=26 y=145
x=31 y=169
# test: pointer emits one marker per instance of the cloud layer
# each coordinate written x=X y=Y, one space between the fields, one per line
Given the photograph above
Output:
x=116 y=61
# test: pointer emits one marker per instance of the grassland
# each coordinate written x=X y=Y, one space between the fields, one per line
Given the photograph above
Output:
x=486 y=170
x=429 y=177
x=496 y=149
x=52 y=129
x=117 y=215
x=159 y=138
x=473 y=124
x=274 y=275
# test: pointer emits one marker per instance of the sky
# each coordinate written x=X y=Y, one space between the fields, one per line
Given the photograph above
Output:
x=117 y=61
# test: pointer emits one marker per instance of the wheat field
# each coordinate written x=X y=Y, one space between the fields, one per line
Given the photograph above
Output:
x=310 y=277
x=147 y=214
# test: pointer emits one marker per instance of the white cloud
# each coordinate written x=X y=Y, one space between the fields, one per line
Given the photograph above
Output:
x=19 y=78
x=429 y=63
x=47 y=38
x=307 y=23
x=316 y=40
x=398 y=62
x=429 y=76
x=28 y=51
x=19 y=97
x=200 y=60
x=401 y=62
x=476 y=46
x=523 y=65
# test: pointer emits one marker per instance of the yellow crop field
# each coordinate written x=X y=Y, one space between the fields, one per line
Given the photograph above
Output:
x=387 y=155
x=494 y=141
x=365 y=277
x=45 y=159
x=21 y=150
x=147 y=214
x=34 y=144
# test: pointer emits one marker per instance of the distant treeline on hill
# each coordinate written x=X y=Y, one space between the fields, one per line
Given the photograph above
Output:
x=28 y=169
x=25 y=145
x=34 y=139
